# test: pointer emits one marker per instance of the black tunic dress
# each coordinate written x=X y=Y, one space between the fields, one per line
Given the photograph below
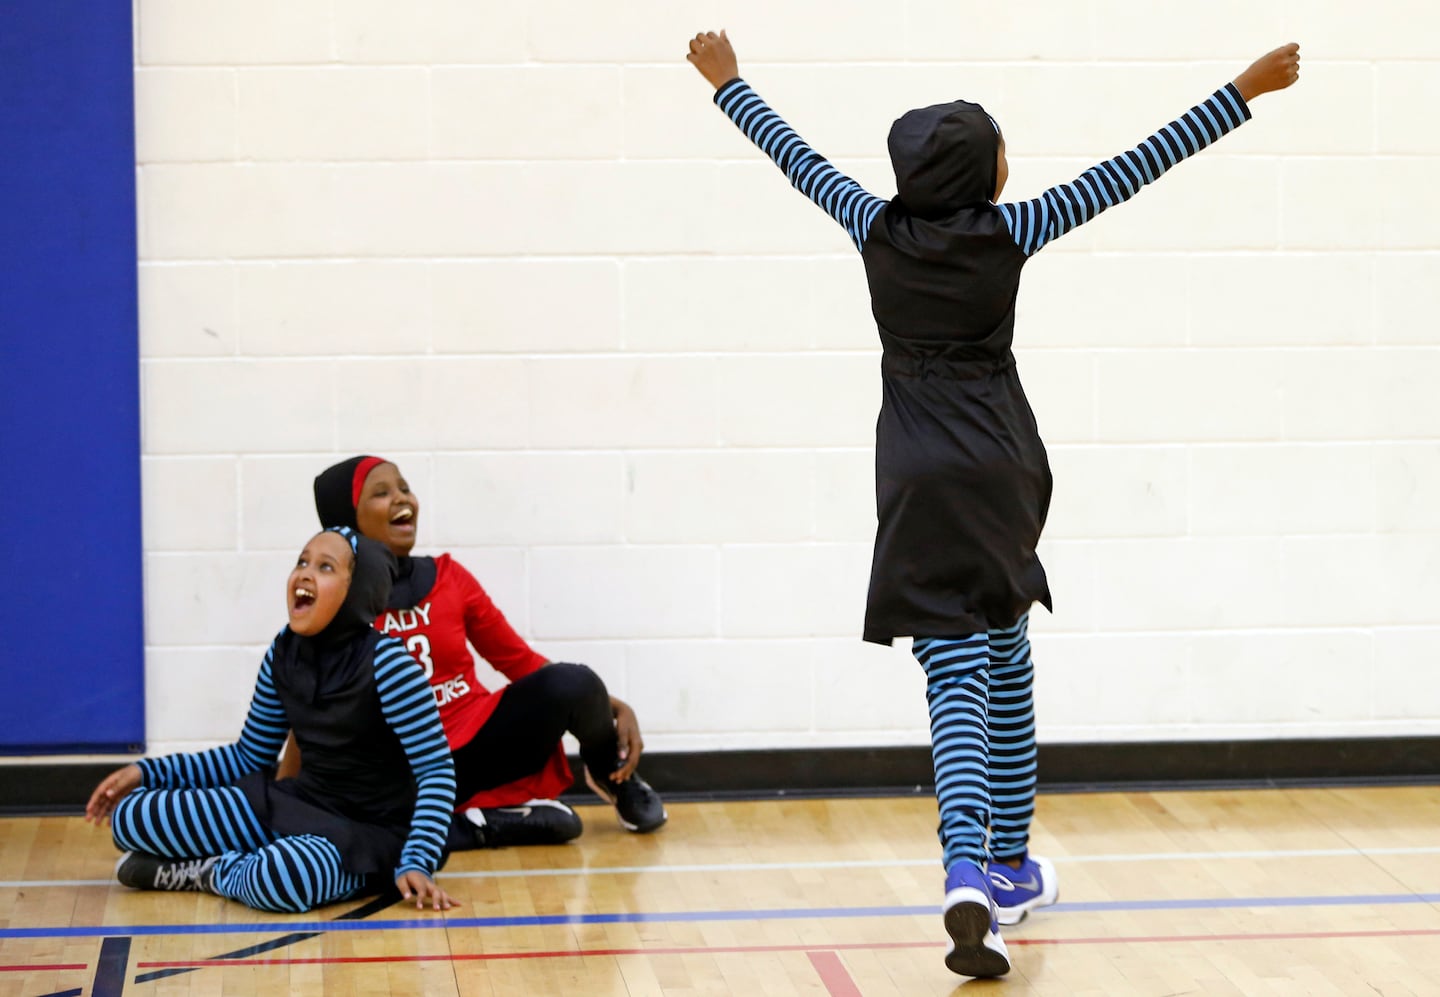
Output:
x=962 y=484
x=356 y=786
x=962 y=481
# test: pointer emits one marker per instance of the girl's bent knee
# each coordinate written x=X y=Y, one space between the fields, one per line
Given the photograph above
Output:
x=574 y=682
x=122 y=822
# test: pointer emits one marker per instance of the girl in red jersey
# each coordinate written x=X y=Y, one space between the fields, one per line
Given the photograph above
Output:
x=509 y=762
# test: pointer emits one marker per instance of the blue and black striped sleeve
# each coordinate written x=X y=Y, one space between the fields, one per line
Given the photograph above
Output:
x=409 y=708
x=259 y=746
x=1037 y=222
x=842 y=198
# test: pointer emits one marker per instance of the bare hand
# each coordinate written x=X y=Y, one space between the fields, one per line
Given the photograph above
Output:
x=424 y=890
x=627 y=731
x=111 y=790
x=1273 y=71
x=712 y=55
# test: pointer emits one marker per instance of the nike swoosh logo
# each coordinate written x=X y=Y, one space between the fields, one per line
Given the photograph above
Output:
x=522 y=811
x=1033 y=883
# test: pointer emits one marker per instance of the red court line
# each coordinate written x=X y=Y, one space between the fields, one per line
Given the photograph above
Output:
x=862 y=946
x=833 y=974
x=53 y=967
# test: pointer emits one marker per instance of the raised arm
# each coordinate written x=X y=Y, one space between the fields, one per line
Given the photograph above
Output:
x=409 y=708
x=841 y=197
x=1036 y=223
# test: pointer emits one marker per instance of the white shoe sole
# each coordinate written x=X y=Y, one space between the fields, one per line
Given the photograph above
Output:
x=975 y=950
x=635 y=828
x=1010 y=916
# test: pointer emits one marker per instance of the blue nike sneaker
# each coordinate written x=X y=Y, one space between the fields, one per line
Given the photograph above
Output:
x=976 y=948
x=1019 y=891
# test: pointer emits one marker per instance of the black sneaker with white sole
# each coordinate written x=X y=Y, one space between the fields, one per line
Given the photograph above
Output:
x=150 y=872
x=636 y=804
x=534 y=822
x=639 y=807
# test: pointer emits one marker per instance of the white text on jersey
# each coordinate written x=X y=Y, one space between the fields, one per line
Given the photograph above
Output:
x=400 y=620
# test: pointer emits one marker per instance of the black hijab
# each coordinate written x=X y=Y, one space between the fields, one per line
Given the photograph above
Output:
x=942 y=268
x=337 y=494
x=945 y=158
x=312 y=665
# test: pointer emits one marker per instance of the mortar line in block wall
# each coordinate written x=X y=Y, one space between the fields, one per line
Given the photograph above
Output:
x=762 y=255
x=798 y=451
x=1041 y=633
x=1042 y=159
x=1222 y=63
x=842 y=544
x=866 y=353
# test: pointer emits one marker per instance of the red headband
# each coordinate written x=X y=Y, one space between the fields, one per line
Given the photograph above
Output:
x=362 y=471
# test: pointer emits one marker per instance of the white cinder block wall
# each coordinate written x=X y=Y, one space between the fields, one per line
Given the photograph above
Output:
x=632 y=375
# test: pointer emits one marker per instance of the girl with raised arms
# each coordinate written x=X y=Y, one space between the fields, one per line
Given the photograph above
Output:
x=962 y=480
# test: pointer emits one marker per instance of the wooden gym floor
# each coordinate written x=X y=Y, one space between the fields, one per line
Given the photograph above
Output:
x=1310 y=891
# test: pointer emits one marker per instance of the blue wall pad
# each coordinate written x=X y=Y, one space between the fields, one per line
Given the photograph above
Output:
x=69 y=357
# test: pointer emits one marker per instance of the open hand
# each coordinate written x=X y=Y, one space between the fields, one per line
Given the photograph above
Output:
x=627 y=731
x=1272 y=71
x=712 y=55
x=424 y=890
x=111 y=790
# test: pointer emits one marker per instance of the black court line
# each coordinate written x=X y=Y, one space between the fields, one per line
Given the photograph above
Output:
x=284 y=941
x=77 y=992
x=110 y=970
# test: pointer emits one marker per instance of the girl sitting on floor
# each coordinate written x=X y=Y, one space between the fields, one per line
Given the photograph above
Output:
x=510 y=763
x=374 y=800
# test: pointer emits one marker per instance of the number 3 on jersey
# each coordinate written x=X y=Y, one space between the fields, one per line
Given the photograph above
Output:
x=419 y=648
x=447 y=691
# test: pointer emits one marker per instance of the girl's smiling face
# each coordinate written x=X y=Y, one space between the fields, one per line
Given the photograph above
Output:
x=387 y=510
x=318 y=583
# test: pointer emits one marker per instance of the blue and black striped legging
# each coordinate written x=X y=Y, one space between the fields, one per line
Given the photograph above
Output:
x=288 y=875
x=982 y=734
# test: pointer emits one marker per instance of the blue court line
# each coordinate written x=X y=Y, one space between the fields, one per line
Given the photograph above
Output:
x=688 y=916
